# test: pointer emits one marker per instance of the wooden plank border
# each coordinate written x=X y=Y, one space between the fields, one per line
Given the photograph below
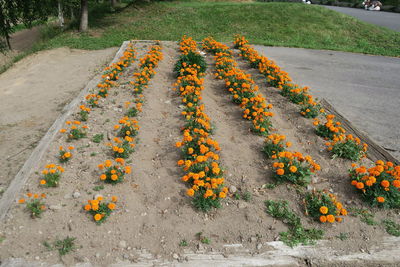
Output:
x=32 y=163
x=375 y=152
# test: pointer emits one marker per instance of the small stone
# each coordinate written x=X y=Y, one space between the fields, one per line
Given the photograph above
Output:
x=37 y=258
x=122 y=244
x=175 y=256
x=125 y=256
x=242 y=205
x=97 y=255
x=76 y=194
x=168 y=102
x=200 y=246
x=55 y=207
x=109 y=136
x=259 y=246
x=253 y=239
x=232 y=189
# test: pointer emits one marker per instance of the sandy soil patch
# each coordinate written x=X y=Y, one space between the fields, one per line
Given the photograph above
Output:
x=32 y=95
x=154 y=213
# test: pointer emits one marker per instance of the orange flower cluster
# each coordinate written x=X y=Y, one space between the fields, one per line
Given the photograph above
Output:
x=274 y=143
x=76 y=130
x=114 y=173
x=92 y=100
x=200 y=158
x=241 y=86
x=147 y=65
x=379 y=185
x=278 y=78
x=122 y=148
x=347 y=146
x=324 y=206
x=65 y=155
x=84 y=113
x=294 y=167
x=99 y=209
x=51 y=175
x=127 y=127
x=34 y=204
x=187 y=44
x=330 y=129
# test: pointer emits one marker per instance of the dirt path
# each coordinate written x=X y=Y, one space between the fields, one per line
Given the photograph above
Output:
x=25 y=39
x=32 y=95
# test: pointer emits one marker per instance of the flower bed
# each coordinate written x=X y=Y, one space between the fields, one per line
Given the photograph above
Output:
x=199 y=150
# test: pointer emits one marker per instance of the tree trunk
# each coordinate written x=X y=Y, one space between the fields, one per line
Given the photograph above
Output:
x=60 y=14
x=8 y=41
x=72 y=13
x=113 y=3
x=83 y=27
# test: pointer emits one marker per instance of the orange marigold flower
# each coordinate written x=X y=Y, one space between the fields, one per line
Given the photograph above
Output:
x=114 y=199
x=21 y=201
x=42 y=182
x=97 y=217
x=293 y=169
x=360 y=185
x=385 y=183
x=323 y=210
x=190 y=192
x=280 y=171
x=87 y=207
x=380 y=199
x=322 y=218
x=330 y=218
x=111 y=206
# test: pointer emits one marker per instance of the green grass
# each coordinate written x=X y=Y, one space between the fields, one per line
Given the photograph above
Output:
x=277 y=24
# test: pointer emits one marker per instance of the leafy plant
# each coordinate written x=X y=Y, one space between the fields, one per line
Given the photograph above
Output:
x=343 y=236
x=99 y=209
x=391 y=227
x=347 y=147
x=190 y=59
x=310 y=110
x=296 y=234
x=323 y=206
x=97 y=138
x=51 y=175
x=183 y=243
x=378 y=185
x=294 y=168
x=202 y=238
x=365 y=216
x=65 y=246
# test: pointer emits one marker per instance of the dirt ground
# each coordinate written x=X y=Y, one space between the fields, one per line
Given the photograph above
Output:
x=32 y=95
x=154 y=213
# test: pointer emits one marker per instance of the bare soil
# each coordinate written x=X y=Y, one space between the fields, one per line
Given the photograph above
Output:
x=154 y=214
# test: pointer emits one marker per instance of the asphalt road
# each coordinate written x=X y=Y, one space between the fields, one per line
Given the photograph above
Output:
x=385 y=19
x=363 y=88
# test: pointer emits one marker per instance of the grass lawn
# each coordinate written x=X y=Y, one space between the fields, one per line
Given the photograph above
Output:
x=275 y=24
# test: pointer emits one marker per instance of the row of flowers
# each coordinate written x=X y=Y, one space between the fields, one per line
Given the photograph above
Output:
x=379 y=185
x=288 y=166
x=199 y=151
x=341 y=145
x=75 y=129
x=124 y=143
x=114 y=171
